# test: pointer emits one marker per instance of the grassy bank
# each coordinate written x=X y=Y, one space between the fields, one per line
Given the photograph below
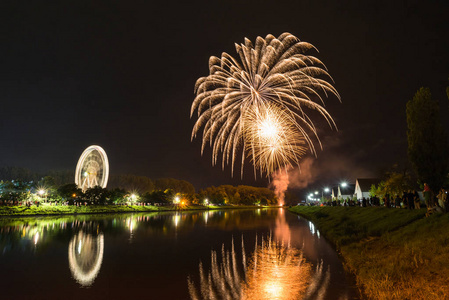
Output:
x=394 y=253
x=45 y=209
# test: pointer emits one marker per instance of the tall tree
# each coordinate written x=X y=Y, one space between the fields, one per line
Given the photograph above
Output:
x=427 y=140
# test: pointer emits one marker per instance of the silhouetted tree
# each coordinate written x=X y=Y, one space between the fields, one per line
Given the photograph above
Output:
x=18 y=174
x=427 y=141
x=69 y=192
x=117 y=196
x=132 y=183
x=178 y=186
x=96 y=195
x=15 y=190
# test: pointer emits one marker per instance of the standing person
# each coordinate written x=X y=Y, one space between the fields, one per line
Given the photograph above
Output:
x=446 y=203
x=427 y=196
x=416 y=200
x=442 y=198
x=410 y=202
x=404 y=199
x=397 y=202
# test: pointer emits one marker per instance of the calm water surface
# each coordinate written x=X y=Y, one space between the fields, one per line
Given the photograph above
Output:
x=229 y=254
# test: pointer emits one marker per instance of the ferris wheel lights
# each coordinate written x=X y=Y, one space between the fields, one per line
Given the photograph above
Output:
x=92 y=168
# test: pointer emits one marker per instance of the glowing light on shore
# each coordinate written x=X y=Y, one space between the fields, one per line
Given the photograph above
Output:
x=274 y=73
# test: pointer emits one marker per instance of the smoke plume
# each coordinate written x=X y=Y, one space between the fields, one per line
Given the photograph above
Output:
x=302 y=176
x=280 y=184
x=299 y=177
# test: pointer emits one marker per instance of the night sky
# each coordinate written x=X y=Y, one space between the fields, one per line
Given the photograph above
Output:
x=121 y=74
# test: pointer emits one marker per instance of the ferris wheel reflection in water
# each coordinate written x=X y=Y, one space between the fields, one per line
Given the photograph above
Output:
x=85 y=257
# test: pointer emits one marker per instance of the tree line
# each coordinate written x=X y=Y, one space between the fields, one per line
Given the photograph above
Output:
x=242 y=194
x=122 y=189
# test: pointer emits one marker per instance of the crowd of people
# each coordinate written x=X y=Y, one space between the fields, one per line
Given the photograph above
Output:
x=409 y=199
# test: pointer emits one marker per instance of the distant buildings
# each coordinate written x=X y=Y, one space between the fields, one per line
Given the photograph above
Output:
x=357 y=191
x=343 y=191
x=363 y=186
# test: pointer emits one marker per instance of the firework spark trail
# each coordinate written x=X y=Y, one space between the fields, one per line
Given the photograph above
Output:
x=272 y=138
x=274 y=74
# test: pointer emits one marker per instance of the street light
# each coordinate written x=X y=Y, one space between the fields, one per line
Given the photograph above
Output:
x=133 y=198
x=325 y=190
x=43 y=192
x=343 y=185
x=176 y=202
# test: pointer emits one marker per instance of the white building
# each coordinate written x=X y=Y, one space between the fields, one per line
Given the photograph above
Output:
x=343 y=193
x=363 y=186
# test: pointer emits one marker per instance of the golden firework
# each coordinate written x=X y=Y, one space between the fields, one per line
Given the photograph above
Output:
x=275 y=74
x=272 y=140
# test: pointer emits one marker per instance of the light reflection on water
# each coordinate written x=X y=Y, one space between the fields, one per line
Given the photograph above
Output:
x=270 y=256
x=85 y=257
x=275 y=270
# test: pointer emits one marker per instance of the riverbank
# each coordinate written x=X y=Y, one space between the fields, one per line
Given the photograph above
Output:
x=45 y=209
x=394 y=253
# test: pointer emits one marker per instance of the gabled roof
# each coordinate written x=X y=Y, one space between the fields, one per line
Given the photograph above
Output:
x=366 y=183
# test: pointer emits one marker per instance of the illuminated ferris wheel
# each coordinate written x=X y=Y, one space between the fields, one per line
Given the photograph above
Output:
x=92 y=168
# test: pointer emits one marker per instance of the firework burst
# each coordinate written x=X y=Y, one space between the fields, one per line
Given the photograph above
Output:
x=273 y=79
x=271 y=138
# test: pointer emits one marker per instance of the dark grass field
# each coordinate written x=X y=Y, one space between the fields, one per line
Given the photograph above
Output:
x=394 y=253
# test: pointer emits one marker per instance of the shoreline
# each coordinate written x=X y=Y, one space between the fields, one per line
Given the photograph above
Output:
x=61 y=210
x=393 y=253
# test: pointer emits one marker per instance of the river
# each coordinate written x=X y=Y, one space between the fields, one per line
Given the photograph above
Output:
x=227 y=254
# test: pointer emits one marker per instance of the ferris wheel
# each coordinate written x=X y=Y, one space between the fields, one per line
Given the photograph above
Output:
x=92 y=168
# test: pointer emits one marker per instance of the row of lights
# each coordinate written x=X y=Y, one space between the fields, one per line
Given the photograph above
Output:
x=133 y=197
x=312 y=196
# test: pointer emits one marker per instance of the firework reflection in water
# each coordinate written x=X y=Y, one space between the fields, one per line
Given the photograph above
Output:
x=274 y=271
